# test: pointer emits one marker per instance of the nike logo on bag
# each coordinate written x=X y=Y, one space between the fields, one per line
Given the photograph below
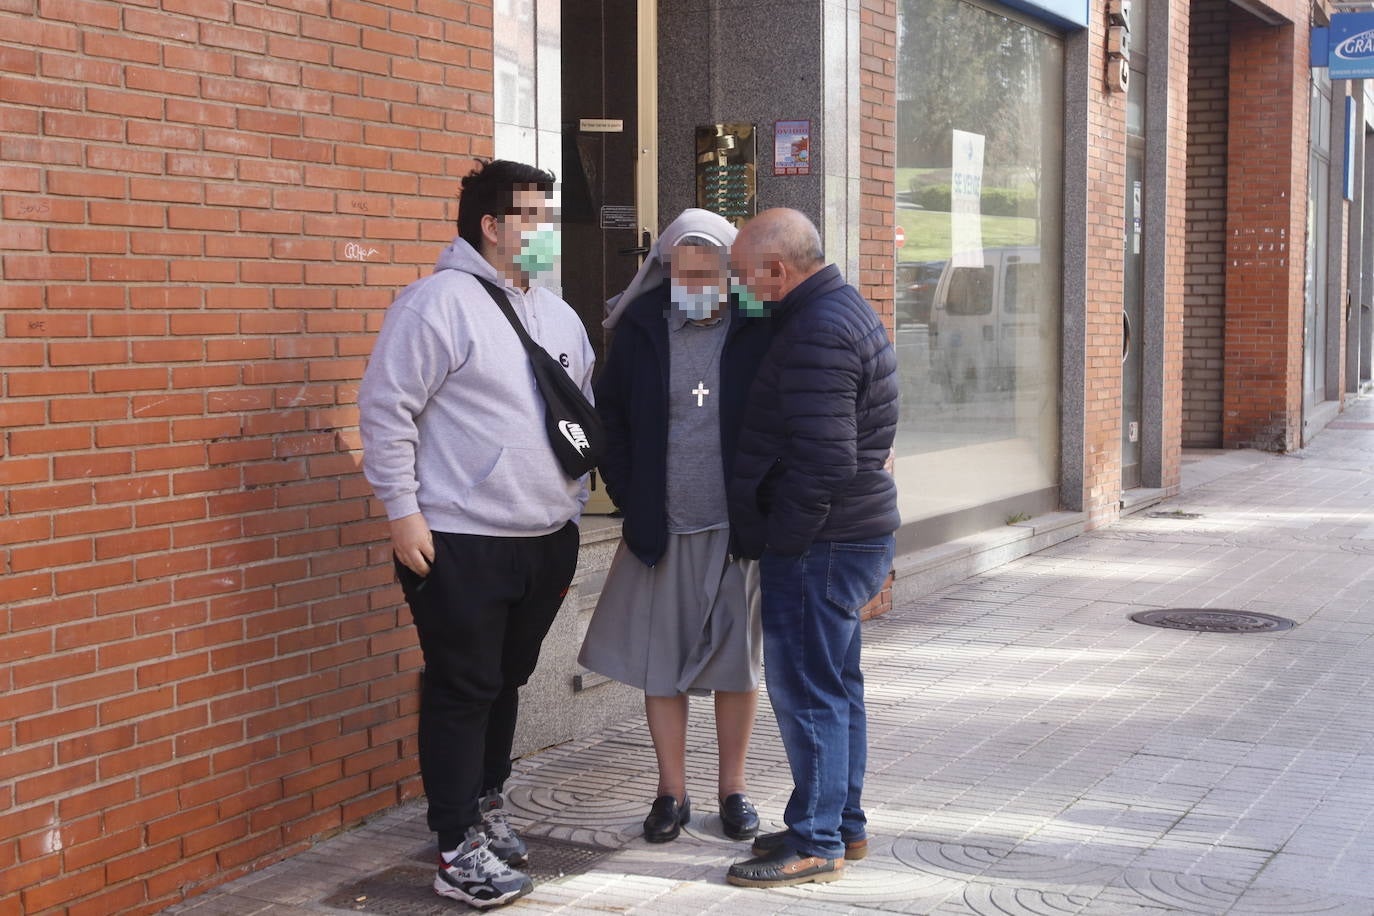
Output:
x=574 y=434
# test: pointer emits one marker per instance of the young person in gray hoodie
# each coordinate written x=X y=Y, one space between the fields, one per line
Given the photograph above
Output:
x=483 y=518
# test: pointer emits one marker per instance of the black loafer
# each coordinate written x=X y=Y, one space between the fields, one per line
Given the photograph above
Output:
x=666 y=819
x=738 y=817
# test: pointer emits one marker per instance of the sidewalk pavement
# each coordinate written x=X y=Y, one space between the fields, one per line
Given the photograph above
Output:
x=1032 y=750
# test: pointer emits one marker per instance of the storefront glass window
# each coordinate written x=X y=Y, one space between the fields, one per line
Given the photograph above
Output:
x=979 y=200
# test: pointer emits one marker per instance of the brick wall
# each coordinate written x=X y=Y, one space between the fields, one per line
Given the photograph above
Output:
x=206 y=207
x=878 y=115
x=1205 y=303
x=1106 y=201
x=1265 y=227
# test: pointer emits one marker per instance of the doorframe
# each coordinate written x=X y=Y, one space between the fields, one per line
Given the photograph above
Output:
x=646 y=169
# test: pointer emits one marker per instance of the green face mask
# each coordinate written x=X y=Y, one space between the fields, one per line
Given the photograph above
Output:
x=749 y=304
x=539 y=250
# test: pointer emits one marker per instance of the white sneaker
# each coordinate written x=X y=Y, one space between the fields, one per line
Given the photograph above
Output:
x=477 y=877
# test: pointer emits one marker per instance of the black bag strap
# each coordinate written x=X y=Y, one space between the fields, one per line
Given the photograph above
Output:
x=503 y=302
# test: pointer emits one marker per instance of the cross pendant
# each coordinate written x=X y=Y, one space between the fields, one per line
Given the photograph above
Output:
x=701 y=391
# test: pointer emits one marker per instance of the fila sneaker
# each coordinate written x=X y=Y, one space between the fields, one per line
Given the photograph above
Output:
x=477 y=877
x=505 y=842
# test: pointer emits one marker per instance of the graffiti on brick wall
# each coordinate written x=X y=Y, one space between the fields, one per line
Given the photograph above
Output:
x=356 y=251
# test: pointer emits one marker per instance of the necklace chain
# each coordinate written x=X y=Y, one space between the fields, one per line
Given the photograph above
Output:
x=700 y=392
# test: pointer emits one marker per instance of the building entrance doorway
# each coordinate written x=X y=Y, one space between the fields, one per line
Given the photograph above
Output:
x=609 y=174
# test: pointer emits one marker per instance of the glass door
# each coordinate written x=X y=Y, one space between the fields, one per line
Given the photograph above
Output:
x=1133 y=274
x=1133 y=317
x=607 y=221
x=1319 y=181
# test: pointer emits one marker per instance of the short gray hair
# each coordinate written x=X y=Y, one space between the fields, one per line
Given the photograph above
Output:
x=790 y=235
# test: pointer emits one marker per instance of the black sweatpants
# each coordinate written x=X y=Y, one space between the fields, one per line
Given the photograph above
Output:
x=481 y=614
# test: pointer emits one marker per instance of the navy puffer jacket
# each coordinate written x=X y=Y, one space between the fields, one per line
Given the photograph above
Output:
x=632 y=399
x=820 y=420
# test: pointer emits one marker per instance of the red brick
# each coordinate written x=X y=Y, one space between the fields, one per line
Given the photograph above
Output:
x=89 y=409
x=61 y=890
x=198 y=60
x=80 y=850
x=88 y=353
x=191 y=872
x=124 y=899
x=30 y=442
x=21 y=353
x=89 y=578
x=86 y=690
x=42 y=267
x=63 y=722
x=128 y=325
x=23 y=413
x=86 y=296
x=24 y=470
x=50 y=497
x=133 y=270
x=124 y=160
x=167 y=834
x=127 y=104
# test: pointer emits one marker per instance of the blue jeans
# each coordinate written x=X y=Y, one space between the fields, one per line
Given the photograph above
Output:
x=811 y=647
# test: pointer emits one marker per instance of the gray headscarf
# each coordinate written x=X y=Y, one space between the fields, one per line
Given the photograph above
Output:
x=693 y=223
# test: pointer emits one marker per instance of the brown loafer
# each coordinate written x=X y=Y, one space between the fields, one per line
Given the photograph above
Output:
x=765 y=843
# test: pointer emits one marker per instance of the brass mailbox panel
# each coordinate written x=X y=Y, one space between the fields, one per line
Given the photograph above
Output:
x=726 y=174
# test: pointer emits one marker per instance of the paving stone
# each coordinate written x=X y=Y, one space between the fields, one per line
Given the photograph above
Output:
x=1032 y=750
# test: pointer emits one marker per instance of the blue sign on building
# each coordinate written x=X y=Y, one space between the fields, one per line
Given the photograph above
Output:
x=1068 y=14
x=1350 y=46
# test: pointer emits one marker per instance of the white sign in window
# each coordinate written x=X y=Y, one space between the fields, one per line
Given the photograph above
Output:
x=965 y=199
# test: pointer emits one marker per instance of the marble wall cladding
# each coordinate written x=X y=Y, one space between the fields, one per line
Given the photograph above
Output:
x=1073 y=379
x=757 y=62
x=842 y=134
x=1157 y=33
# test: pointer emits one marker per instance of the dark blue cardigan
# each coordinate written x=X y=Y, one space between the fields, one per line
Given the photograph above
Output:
x=632 y=398
x=821 y=417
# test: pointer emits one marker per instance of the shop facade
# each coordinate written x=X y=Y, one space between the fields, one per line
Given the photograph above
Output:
x=1098 y=233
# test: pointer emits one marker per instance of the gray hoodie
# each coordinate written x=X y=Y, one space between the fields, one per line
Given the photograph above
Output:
x=452 y=421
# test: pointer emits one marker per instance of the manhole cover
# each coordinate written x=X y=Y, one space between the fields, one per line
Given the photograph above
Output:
x=1212 y=620
x=408 y=889
x=550 y=858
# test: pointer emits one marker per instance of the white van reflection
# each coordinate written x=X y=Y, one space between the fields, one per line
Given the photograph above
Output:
x=988 y=324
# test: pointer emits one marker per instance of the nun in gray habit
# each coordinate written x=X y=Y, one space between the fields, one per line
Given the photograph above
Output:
x=679 y=614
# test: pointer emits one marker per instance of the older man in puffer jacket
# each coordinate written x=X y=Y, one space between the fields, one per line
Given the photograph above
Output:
x=811 y=498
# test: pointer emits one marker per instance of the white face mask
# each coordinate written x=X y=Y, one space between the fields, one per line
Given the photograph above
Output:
x=697 y=305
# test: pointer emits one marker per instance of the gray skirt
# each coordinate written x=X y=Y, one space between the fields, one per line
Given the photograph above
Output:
x=690 y=624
